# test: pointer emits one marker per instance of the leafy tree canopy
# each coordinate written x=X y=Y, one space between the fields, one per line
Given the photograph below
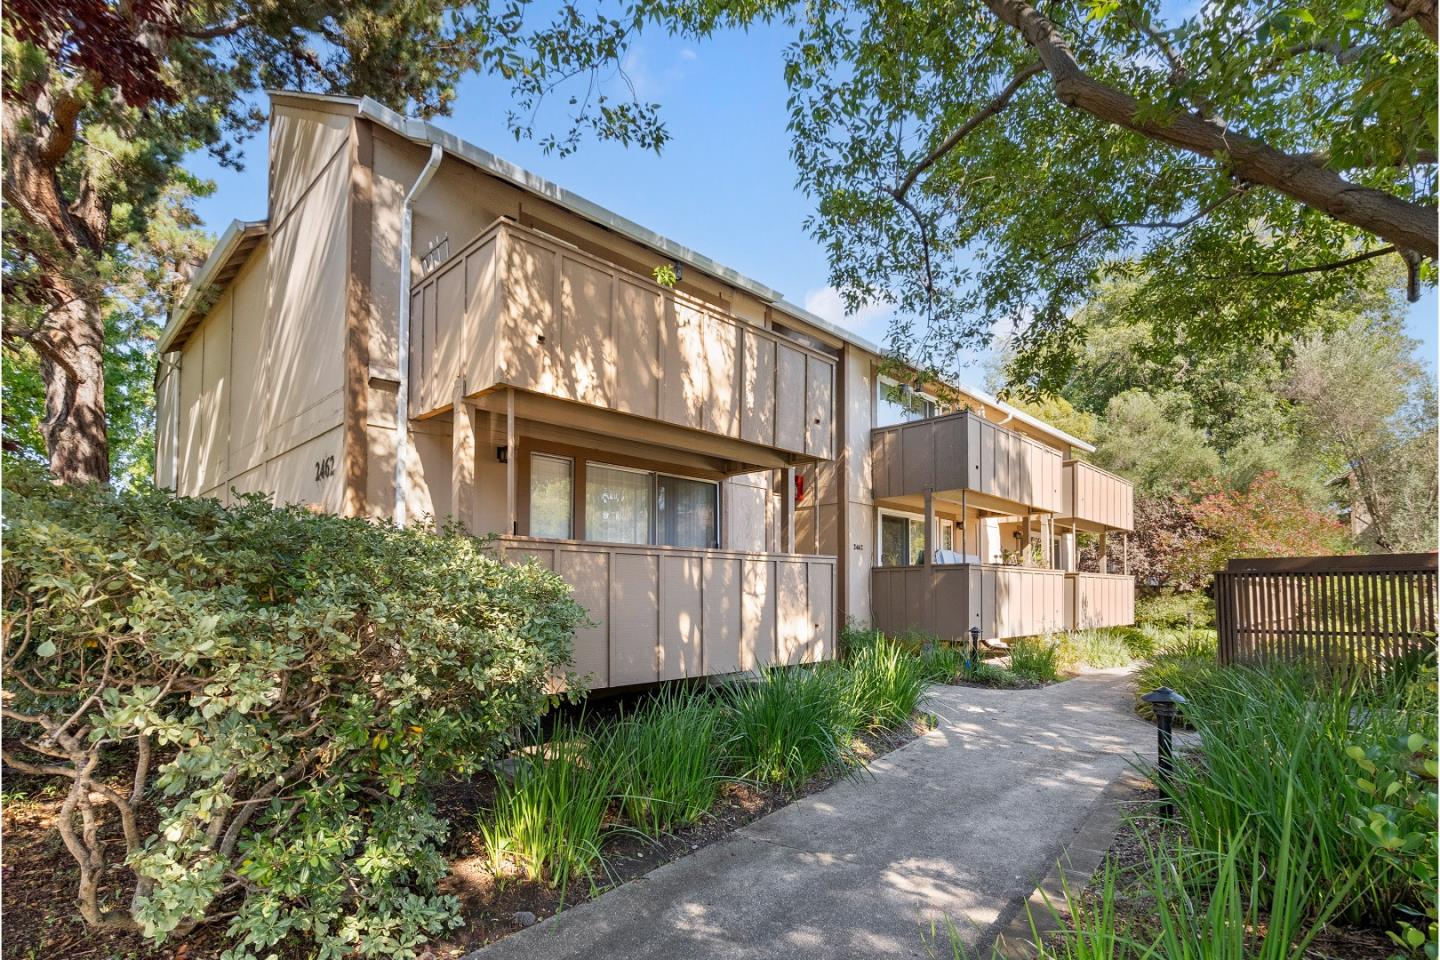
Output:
x=995 y=163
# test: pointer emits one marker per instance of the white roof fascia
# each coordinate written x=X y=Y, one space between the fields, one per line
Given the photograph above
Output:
x=235 y=233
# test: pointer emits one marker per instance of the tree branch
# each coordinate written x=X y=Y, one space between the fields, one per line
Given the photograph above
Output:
x=1404 y=223
x=963 y=131
x=1318 y=267
x=1106 y=225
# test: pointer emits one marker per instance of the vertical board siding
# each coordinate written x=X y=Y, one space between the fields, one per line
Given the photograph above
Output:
x=557 y=321
x=1331 y=611
x=1097 y=496
x=1099 y=600
x=965 y=451
x=667 y=613
x=948 y=599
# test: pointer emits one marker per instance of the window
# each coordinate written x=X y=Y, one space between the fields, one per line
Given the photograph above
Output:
x=947 y=534
x=686 y=512
x=552 y=504
x=624 y=505
x=618 y=504
x=900 y=404
x=902 y=540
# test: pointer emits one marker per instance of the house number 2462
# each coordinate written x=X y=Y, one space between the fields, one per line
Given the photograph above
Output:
x=324 y=469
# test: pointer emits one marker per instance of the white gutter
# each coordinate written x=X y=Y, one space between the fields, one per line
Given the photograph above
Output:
x=402 y=398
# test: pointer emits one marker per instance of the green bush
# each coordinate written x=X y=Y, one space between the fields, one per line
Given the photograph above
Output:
x=1171 y=611
x=276 y=690
x=666 y=761
x=549 y=817
x=1188 y=675
x=990 y=675
x=790 y=724
x=883 y=684
x=1035 y=658
x=941 y=663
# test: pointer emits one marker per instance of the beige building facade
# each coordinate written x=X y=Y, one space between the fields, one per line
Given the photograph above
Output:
x=419 y=331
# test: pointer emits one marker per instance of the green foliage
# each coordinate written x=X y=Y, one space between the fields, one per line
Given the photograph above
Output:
x=282 y=687
x=1189 y=675
x=667 y=763
x=884 y=683
x=1035 y=658
x=1279 y=739
x=1396 y=784
x=1170 y=610
x=1100 y=648
x=549 y=817
x=1152 y=441
x=790 y=725
x=665 y=275
x=941 y=662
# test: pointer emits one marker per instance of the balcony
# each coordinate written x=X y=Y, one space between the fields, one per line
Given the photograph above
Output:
x=1099 y=600
x=993 y=466
x=518 y=308
x=946 y=600
x=667 y=613
x=1095 y=500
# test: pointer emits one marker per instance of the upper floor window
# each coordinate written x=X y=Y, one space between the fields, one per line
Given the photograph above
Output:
x=898 y=403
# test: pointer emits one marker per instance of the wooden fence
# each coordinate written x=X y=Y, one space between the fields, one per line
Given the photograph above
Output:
x=1325 y=610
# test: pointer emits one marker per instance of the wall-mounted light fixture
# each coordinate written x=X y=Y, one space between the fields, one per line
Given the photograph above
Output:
x=502 y=453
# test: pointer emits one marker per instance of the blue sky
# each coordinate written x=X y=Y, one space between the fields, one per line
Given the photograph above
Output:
x=725 y=185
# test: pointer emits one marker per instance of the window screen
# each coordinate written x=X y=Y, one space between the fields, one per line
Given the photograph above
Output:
x=552 y=504
x=617 y=504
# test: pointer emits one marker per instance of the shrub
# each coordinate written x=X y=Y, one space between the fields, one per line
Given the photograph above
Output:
x=666 y=761
x=1035 y=658
x=1189 y=675
x=549 y=818
x=1172 y=610
x=261 y=696
x=883 y=684
x=941 y=663
x=788 y=725
x=990 y=675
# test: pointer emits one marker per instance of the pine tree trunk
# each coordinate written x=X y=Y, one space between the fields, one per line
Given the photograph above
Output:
x=76 y=437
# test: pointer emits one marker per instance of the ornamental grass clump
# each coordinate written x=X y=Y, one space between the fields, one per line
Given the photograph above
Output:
x=790 y=724
x=883 y=684
x=1035 y=659
x=261 y=698
x=1286 y=737
x=549 y=816
x=666 y=761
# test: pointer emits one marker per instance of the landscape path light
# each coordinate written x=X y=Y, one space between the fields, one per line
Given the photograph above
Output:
x=1164 y=703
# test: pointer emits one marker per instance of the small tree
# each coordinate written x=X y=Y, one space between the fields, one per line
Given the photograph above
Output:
x=1268 y=519
x=259 y=698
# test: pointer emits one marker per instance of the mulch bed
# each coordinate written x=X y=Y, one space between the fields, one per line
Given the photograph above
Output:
x=37 y=893
x=1136 y=909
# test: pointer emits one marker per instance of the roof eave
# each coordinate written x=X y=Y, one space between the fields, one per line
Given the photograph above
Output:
x=231 y=242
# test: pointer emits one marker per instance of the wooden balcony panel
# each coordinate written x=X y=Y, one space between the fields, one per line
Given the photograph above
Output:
x=1096 y=499
x=1099 y=600
x=964 y=451
x=518 y=308
x=948 y=599
x=667 y=613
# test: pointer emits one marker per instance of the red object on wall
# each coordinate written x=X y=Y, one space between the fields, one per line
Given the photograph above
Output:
x=799 y=487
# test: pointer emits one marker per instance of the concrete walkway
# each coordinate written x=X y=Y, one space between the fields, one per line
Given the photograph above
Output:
x=963 y=822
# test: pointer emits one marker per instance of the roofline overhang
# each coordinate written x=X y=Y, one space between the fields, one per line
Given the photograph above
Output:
x=239 y=238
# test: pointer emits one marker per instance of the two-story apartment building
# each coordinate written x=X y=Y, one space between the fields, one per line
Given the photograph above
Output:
x=418 y=329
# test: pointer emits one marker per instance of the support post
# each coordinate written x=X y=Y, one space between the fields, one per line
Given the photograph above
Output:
x=511 y=457
x=1125 y=554
x=1104 y=561
x=929 y=528
x=462 y=459
x=787 y=510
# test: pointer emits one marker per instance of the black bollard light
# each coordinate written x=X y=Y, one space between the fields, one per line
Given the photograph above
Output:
x=974 y=647
x=1164 y=702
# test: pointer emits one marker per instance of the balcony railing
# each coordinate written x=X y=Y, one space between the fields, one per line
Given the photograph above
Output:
x=1096 y=499
x=946 y=600
x=964 y=451
x=666 y=613
x=1099 y=600
x=516 y=307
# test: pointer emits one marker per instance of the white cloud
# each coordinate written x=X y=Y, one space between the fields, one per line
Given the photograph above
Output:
x=871 y=321
x=649 y=82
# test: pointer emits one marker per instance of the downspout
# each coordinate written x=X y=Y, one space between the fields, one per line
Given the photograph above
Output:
x=402 y=398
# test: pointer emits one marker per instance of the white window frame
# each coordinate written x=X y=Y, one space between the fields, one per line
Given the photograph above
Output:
x=885 y=384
